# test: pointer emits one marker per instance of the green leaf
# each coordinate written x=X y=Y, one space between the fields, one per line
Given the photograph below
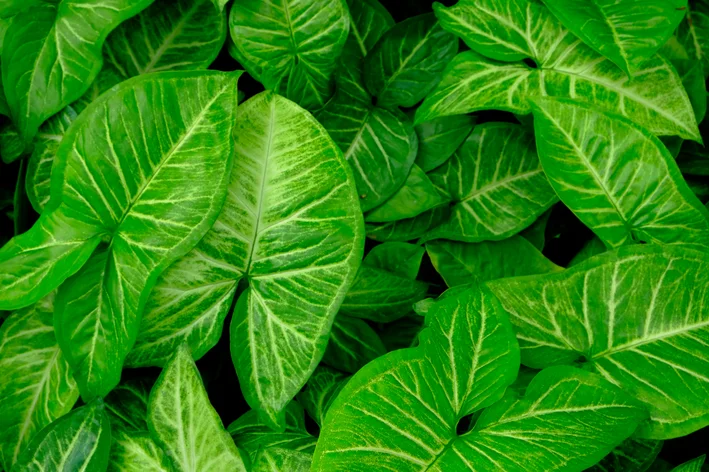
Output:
x=410 y=228
x=278 y=459
x=127 y=405
x=385 y=287
x=37 y=386
x=320 y=391
x=10 y=8
x=369 y=20
x=251 y=434
x=79 y=440
x=693 y=34
x=401 y=411
x=416 y=196
x=632 y=455
x=615 y=176
x=408 y=61
x=623 y=315
x=463 y=263
x=126 y=186
x=695 y=465
x=440 y=137
x=628 y=32
x=168 y=35
x=379 y=144
x=220 y=4
x=593 y=247
x=692 y=75
x=183 y=422
x=401 y=333
x=353 y=343
x=291 y=46
x=497 y=185
x=11 y=145
x=536 y=232
x=565 y=67
x=52 y=52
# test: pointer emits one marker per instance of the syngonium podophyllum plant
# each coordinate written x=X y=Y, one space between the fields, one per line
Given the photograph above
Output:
x=529 y=175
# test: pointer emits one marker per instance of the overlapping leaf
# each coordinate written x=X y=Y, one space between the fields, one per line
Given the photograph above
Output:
x=410 y=228
x=507 y=32
x=37 y=386
x=439 y=138
x=497 y=185
x=291 y=46
x=353 y=343
x=618 y=178
x=638 y=316
x=52 y=53
x=320 y=391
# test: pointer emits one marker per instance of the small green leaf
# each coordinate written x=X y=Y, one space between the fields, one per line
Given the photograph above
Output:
x=497 y=185
x=353 y=343
x=79 y=440
x=440 y=137
x=291 y=46
x=615 y=176
x=693 y=34
x=408 y=61
x=410 y=228
x=632 y=455
x=183 y=422
x=37 y=386
x=278 y=459
x=401 y=259
x=695 y=465
x=320 y=391
x=464 y=263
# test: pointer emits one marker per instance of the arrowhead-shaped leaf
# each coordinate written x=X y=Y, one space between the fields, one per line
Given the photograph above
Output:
x=638 y=316
x=628 y=32
x=401 y=411
x=291 y=46
x=617 y=177
x=52 y=53
x=37 y=386
x=183 y=422
x=497 y=185
x=564 y=67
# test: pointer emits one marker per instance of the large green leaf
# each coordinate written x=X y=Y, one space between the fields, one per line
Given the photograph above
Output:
x=125 y=186
x=291 y=46
x=320 y=391
x=401 y=411
x=628 y=32
x=385 y=287
x=639 y=316
x=440 y=137
x=408 y=61
x=79 y=440
x=291 y=226
x=184 y=423
x=52 y=53
x=615 y=176
x=353 y=343
x=497 y=185
x=379 y=144
x=168 y=35
x=565 y=67
x=37 y=386
x=464 y=263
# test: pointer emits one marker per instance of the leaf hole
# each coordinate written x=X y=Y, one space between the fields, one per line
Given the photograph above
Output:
x=464 y=425
x=530 y=63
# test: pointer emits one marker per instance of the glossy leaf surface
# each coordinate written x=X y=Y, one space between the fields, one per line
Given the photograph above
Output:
x=618 y=178
x=184 y=423
x=624 y=316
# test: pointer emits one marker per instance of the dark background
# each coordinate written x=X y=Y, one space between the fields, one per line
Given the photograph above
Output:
x=565 y=236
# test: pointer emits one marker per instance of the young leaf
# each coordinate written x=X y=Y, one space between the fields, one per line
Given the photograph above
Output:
x=463 y=263
x=638 y=316
x=410 y=228
x=79 y=440
x=615 y=176
x=184 y=423
x=291 y=46
x=408 y=61
x=52 y=52
x=564 y=67
x=385 y=418
x=127 y=187
x=379 y=144
x=497 y=185
x=385 y=287
x=37 y=386
x=251 y=434
x=353 y=343
x=279 y=459
x=168 y=35
x=320 y=391
x=439 y=138
x=416 y=196
x=628 y=32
